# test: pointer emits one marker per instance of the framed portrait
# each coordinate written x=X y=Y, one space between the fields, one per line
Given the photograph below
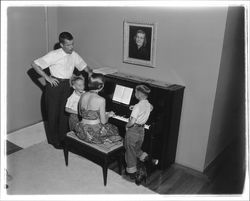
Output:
x=139 y=43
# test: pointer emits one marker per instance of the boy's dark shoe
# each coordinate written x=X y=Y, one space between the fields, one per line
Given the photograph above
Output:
x=132 y=176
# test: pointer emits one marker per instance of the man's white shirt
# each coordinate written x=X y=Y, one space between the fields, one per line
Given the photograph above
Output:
x=61 y=64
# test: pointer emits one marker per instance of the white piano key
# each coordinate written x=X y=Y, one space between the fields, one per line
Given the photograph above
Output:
x=124 y=119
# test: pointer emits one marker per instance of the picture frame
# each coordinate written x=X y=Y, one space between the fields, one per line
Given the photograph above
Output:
x=139 y=43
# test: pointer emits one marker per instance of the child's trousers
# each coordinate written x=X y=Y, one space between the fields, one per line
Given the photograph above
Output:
x=133 y=141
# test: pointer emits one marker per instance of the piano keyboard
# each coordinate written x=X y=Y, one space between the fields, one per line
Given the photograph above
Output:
x=124 y=119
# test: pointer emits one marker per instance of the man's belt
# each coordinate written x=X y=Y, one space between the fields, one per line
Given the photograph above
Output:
x=60 y=79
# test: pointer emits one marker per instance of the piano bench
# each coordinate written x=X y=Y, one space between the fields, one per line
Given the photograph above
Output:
x=102 y=154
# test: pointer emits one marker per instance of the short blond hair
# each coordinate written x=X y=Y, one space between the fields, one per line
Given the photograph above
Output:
x=75 y=78
x=143 y=89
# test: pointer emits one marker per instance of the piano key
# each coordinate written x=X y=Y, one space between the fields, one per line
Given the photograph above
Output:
x=124 y=119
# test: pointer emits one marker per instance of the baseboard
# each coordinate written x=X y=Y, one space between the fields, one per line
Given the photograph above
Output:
x=24 y=127
x=191 y=171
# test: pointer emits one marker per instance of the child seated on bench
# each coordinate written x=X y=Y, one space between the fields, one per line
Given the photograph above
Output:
x=77 y=82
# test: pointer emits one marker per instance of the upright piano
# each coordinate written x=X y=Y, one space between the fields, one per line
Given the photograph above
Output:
x=162 y=127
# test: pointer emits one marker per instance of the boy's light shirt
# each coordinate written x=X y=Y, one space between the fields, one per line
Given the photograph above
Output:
x=72 y=102
x=141 y=111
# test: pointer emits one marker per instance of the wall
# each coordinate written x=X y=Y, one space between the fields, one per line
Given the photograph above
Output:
x=189 y=47
x=26 y=33
x=229 y=112
x=52 y=27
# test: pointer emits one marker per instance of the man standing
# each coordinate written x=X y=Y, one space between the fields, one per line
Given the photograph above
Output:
x=61 y=63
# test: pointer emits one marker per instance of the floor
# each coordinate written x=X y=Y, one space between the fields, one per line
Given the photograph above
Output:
x=25 y=137
x=228 y=178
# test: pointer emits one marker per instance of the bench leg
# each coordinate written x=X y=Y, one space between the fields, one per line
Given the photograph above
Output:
x=66 y=154
x=120 y=161
x=105 y=170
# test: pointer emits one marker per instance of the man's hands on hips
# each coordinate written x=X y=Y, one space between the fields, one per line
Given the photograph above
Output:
x=53 y=81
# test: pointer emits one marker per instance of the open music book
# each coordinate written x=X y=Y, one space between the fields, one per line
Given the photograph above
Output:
x=122 y=94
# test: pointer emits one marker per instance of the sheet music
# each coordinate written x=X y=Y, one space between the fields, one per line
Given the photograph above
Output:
x=122 y=94
x=105 y=70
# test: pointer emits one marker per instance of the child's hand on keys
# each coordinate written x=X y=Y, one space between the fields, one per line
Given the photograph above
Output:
x=111 y=114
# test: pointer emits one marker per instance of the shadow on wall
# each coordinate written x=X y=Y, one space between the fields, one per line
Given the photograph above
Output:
x=34 y=76
x=228 y=120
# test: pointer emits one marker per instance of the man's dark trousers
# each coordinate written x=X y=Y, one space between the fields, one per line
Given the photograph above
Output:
x=56 y=98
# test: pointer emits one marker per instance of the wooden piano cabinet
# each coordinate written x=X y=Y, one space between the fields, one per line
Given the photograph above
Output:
x=161 y=139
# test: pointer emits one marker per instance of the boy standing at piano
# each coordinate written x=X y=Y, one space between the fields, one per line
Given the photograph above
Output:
x=135 y=130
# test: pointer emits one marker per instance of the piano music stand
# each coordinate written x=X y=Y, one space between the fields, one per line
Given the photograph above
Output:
x=101 y=154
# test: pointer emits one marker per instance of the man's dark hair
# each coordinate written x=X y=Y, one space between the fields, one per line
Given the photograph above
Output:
x=65 y=36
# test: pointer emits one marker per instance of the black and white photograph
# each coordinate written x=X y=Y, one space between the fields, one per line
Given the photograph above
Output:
x=139 y=43
x=124 y=100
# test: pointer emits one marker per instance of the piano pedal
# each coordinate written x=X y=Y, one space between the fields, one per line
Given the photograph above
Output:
x=149 y=160
x=155 y=161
